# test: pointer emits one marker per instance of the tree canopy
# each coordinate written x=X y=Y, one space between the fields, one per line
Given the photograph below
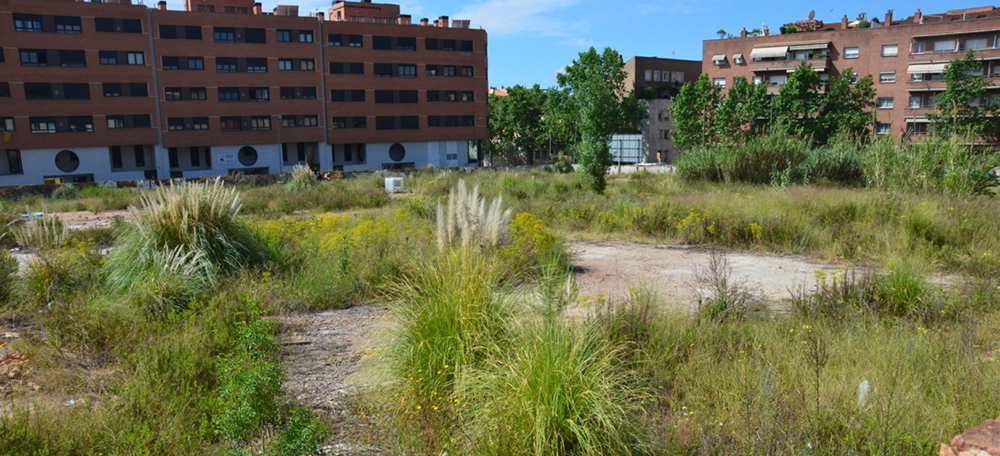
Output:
x=960 y=107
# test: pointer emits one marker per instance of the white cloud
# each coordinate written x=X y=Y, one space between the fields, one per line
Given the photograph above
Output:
x=579 y=43
x=504 y=17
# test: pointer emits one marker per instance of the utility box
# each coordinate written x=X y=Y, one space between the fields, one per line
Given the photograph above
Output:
x=394 y=184
x=627 y=149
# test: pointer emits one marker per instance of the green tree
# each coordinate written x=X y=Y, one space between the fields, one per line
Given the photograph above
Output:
x=693 y=113
x=742 y=111
x=560 y=119
x=960 y=108
x=516 y=121
x=596 y=84
x=847 y=107
x=798 y=103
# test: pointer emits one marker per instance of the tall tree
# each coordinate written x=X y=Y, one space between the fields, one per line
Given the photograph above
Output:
x=960 y=108
x=742 y=111
x=693 y=113
x=596 y=82
x=516 y=121
x=798 y=103
x=847 y=107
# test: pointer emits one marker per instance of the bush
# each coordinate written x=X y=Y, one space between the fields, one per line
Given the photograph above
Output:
x=302 y=179
x=8 y=275
x=196 y=227
x=43 y=234
x=761 y=160
x=469 y=220
x=66 y=192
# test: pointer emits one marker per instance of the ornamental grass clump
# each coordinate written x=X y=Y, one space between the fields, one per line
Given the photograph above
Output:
x=302 y=179
x=191 y=232
x=469 y=221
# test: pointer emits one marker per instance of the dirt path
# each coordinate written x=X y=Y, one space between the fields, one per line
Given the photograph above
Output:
x=610 y=269
x=84 y=220
x=321 y=353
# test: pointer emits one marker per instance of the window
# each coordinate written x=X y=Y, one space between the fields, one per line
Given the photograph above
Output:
x=254 y=35
x=229 y=94
x=945 y=46
x=305 y=36
x=285 y=64
x=407 y=71
x=890 y=50
x=225 y=65
x=284 y=36
x=408 y=123
x=288 y=122
x=257 y=65
x=975 y=44
x=112 y=90
x=173 y=94
x=884 y=103
x=433 y=121
x=136 y=58
x=260 y=123
x=192 y=32
x=14 y=161
x=383 y=70
x=115 y=122
x=108 y=57
x=887 y=77
x=382 y=43
x=171 y=63
x=247 y=156
x=196 y=63
x=719 y=82
x=140 y=156
x=310 y=121
x=175 y=124
x=138 y=89
x=309 y=93
x=385 y=123
x=467 y=72
x=466 y=46
x=131 y=26
x=259 y=94
x=355 y=41
x=431 y=44
x=448 y=70
x=27 y=23
x=448 y=45
x=104 y=24
x=7 y=123
x=468 y=121
x=335 y=40
x=656 y=76
x=383 y=97
x=406 y=44
x=67 y=161
x=168 y=32
x=883 y=128
x=68 y=24
x=198 y=93
x=199 y=123
x=80 y=124
x=72 y=59
x=851 y=53
x=37 y=91
x=231 y=124
x=116 y=154
x=408 y=96
x=42 y=125
x=34 y=58
x=76 y=91
x=338 y=122
x=468 y=96
x=307 y=65
x=4 y=89
x=224 y=35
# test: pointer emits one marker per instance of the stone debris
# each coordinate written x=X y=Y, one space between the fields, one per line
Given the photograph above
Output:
x=983 y=440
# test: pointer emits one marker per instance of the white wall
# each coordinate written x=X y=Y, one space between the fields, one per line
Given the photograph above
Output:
x=225 y=158
x=421 y=154
x=41 y=163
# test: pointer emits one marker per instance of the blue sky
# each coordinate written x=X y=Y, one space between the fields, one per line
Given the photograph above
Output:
x=531 y=40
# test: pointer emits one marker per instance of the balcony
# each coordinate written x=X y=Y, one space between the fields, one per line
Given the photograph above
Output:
x=788 y=65
x=920 y=107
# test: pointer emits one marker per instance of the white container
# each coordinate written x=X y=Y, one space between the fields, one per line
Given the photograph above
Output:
x=394 y=184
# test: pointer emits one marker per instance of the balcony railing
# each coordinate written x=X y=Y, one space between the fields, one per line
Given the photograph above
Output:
x=787 y=64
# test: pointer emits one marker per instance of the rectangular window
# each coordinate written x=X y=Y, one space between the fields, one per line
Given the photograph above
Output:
x=384 y=97
x=383 y=70
x=468 y=72
x=890 y=50
x=975 y=44
x=255 y=35
x=260 y=123
x=173 y=94
x=466 y=46
x=138 y=89
x=884 y=103
x=448 y=70
x=224 y=35
x=108 y=57
x=257 y=65
x=112 y=90
x=307 y=65
x=431 y=70
x=356 y=68
x=170 y=63
x=284 y=36
x=140 y=155
x=448 y=45
x=142 y=121
x=116 y=152
x=115 y=122
x=199 y=123
x=468 y=96
x=131 y=26
x=406 y=44
x=285 y=64
x=359 y=122
x=945 y=46
x=338 y=95
x=80 y=124
x=14 y=161
x=42 y=125
x=338 y=122
x=310 y=121
x=76 y=91
x=719 y=82
x=231 y=123
x=4 y=89
x=883 y=128
x=136 y=58
x=887 y=77
x=408 y=96
x=198 y=93
x=306 y=36
x=7 y=124
x=851 y=53
x=381 y=43
x=385 y=123
x=175 y=124
x=355 y=41
x=335 y=40
x=309 y=93
x=259 y=94
x=229 y=94
x=288 y=121
x=407 y=71
x=192 y=32
x=27 y=23
x=72 y=58
x=68 y=24
x=37 y=91
x=408 y=123
x=225 y=65
x=104 y=24
x=196 y=63
x=168 y=32
x=31 y=57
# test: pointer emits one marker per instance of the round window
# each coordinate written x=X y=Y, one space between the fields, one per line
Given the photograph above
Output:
x=67 y=161
x=248 y=156
x=397 y=152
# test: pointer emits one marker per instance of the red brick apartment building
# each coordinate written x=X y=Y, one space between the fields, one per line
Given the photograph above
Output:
x=107 y=90
x=906 y=58
x=659 y=78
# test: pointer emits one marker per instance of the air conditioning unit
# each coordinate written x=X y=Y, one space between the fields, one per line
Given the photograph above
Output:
x=394 y=184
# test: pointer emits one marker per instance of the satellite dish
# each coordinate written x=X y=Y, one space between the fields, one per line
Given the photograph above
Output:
x=812 y=15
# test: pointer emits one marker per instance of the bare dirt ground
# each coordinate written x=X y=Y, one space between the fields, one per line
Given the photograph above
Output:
x=321 y=354
x=611 y=269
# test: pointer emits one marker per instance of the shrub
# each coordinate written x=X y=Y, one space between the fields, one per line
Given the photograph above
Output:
x=171 y=280
x=8 y=274
x=195 y=226
x=66 y=192
x=760 y=160
x=723 y=298
x=302 y=179
x=531 y=243
x=45 y=233
x=467 y=219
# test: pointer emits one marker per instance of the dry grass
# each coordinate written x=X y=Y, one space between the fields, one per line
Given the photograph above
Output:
x=468 y=219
